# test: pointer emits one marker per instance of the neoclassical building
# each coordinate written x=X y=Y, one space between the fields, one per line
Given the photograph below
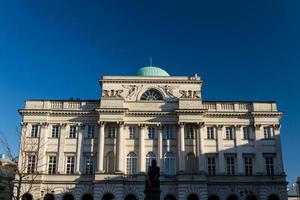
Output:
x=101 y=149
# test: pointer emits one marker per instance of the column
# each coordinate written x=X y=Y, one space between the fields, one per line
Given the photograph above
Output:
x=160 y=147
x=101 y=138
x=259 y=159
x=239 y=151
x=200 y=152
x=120 y=144
x=279 y=163
x=181 y=148
x=79 y=154
x=220 y=133
x=41 y=151
x=61 y=146
x=142 y=160
x=22 y=150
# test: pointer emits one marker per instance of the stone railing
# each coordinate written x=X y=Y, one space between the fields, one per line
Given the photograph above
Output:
x=240 y=106
x=62 y=105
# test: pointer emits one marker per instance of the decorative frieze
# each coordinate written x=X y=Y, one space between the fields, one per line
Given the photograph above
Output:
x=112 y=93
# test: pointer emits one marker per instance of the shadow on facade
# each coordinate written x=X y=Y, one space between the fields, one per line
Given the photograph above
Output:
x=258 y=186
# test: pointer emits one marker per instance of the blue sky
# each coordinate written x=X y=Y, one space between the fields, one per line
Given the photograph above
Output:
x=243 y=50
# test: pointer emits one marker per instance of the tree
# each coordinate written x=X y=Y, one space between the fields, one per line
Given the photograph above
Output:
x=29 y=161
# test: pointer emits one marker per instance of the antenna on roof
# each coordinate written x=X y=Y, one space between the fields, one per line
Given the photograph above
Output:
x=150 y=60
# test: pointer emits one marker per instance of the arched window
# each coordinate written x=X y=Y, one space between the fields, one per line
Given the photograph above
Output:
x=49 y=196
x=149 y=157
x=130 y=197
x=27 y=196
x=213 y=197
x=191 y=163
x=87 y=197
x=131 y=163
x=273 y=197
x=68 y=196
x=151 y=95
x=170 y=197
x=170 y=163
x=192 y=197
x=232 y=197
x=110 y=162
x=108 y=196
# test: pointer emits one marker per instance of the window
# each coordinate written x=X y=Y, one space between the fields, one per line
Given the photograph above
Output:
x=229 y=133
x=151 y=133
x=34 y=130
x=132 y=132
x=267 y=133
x=91 y=131
x=191 y=163
x=112 y=132
x=131 y=163
x=270 y=165
x=89 y=164
x=168 y=132
x=246 y=131
x=210 y=133
x=248 y=164
x=52 y=162
x=31 y=163
x=230 y=165
x=72 y=133
x=151 y=95
x=70 y=166
x=55 y=131
x=170 y=163
x=110 y=162
x=211 y=165
x=190 y=133
x=149 y=157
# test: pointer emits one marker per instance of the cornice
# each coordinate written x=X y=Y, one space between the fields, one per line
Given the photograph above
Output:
x=35 y=112
x=148 y=113
x=154 y=81
x=266 y=114
x=112 y=110
x=190 y=111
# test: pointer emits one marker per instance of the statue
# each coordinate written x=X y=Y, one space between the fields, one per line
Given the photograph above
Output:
x=152 y=184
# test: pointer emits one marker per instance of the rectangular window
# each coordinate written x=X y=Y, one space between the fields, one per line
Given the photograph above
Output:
x=151 y=133
x=270 y=165
x=230 y=165
x=229 y=133
x=52 y=164
x=246 y=131
x=267 y=133
x=168 y=132
x=34 y=130
x=248 y=164
x=72 y=133
x=211 y=165
x=70 y=166
x=91 y=131
x=132 y=132
x=31 y=163
x=55 y=131
x=190 y=133
x=210 y=133
x=89 y=164
x=112 y=132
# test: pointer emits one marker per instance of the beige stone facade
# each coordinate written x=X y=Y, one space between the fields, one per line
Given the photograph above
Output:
x=205 y=149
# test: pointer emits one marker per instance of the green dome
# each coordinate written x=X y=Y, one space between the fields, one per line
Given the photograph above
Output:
x=151 y=71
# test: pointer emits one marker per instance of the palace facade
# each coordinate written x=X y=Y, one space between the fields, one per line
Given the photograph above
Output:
x=101 y=149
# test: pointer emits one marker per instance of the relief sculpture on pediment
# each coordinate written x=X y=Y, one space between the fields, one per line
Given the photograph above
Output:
x=168 y=89
x=112 y=93
x=190 y=94
x=132 y=90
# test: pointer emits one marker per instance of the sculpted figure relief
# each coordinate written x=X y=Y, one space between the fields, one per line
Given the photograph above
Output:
x=112 y=93
x=190 y=94
x=152 y=181
x=132 y=90
x=168 y=89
